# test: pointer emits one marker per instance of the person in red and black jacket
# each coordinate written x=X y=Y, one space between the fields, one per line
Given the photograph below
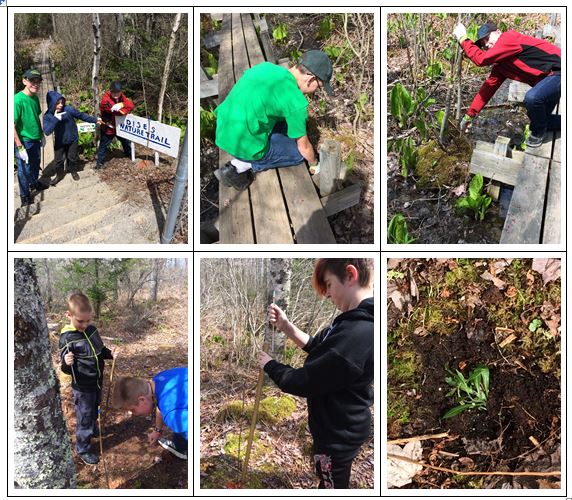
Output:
x=113 y=103
x=522 y=58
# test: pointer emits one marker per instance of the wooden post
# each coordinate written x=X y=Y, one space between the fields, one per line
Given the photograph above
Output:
x=330 y=166
x=500 y=149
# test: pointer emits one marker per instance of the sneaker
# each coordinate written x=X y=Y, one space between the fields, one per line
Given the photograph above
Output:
x=534 y=141
x=228 y=175
x=89 y=458
x=57 y=179
x=98 y=166
x=39 y=187
x=170 y=446
x=75 y=176
x=25 y=201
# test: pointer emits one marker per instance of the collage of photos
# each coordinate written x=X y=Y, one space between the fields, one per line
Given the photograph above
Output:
x=168 y=335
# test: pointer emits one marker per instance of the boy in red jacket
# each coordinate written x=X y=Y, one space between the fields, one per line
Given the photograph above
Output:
x=517 y=57
x=113 y=103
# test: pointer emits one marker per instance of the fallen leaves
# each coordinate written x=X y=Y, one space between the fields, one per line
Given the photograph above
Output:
x=548 y=268
x=400 y=472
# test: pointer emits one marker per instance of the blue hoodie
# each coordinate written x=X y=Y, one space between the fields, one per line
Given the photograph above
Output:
x=65 y=129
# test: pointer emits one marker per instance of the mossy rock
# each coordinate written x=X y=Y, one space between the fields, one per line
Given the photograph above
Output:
x=235 y=446
x=271 y=410
x=436 y=167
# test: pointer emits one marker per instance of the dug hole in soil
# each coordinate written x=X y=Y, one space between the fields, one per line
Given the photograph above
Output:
x=460 y=314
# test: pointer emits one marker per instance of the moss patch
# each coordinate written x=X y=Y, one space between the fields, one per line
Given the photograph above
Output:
x=272 y=409
x=235 y=446
x=436 y=167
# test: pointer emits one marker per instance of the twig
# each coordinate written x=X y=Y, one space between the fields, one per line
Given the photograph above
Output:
x=419 y=438
x=467 y=473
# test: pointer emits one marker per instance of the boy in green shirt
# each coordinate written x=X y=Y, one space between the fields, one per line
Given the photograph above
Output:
x=28 y=135
x=262 y=121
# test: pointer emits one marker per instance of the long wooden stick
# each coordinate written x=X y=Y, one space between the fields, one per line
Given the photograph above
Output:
x=466 y=473
x=100 y=426
x=419 y=438
x=259 y=386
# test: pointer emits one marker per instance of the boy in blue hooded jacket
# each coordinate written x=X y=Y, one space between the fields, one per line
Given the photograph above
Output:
x=60 y=119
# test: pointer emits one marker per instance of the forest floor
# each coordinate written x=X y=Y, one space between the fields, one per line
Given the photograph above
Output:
x=330 y=118
x=151 y=338
x=456 y=314
x=428 y=203
x=281 y=454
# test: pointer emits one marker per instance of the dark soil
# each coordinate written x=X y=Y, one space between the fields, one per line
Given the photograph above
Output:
x=458 y=320
x=150 y=340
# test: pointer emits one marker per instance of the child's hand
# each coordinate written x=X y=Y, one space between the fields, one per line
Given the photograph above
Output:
x=68 y=358
x=115 y=352
x=153 y=437
x=99 y=121
x=277 y=316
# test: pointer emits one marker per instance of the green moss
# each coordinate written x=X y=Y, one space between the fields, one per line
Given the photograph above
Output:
x=397 y=409
x=276 y=409
x=436 y=167
x=235 y=446
x=271 y=409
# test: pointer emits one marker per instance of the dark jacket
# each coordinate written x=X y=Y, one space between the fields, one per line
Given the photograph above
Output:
x=515 y=56
x=108 y=116
x=89 y=354
x=65 y=130
x=336 y=379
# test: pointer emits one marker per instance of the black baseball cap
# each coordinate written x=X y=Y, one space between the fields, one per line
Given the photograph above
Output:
x=319 y=64
x=33 y=74
x=115 y=87
x=484 y=31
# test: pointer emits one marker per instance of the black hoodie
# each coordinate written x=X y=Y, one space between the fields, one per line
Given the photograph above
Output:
x=336 y=379
x=89 y=354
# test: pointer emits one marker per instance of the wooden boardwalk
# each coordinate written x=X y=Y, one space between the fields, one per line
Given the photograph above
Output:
x=281 y=205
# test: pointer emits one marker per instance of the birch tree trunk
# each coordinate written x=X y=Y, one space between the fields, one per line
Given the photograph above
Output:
x=96 y=25
x=278 y=290
x=42 y=446
x=166 y=71
x=119 y=35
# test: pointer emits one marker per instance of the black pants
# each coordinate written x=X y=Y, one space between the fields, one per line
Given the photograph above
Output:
x=334 y=469
x=181 y=444
x=66 y=152
x=104 y=143
x=86 y=405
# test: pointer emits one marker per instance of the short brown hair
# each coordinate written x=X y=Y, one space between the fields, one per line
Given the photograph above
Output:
x=78 y=303
x=338 y=267
x=127 y=389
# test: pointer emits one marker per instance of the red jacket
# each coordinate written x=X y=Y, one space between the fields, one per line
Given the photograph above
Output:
x=108 y=116
x=515 y=56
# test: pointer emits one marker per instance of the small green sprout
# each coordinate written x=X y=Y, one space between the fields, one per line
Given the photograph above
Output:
x=471 y=392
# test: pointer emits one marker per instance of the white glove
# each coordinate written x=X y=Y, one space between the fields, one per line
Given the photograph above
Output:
x=117 y=107
x=460 y=32
x=22 y=154
x=466 y=123
x=43 y=140
x=314 y=169
x=59 y=115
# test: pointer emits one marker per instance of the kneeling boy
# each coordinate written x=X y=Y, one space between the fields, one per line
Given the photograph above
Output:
x=165 y=396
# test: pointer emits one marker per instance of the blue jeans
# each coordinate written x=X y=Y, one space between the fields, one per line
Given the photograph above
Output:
x=28 y=173
x=104 y=143
x=540 y=101
x=282 y=151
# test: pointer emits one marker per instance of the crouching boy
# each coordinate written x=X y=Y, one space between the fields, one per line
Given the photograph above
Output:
x=165 y=398
x=82 y=356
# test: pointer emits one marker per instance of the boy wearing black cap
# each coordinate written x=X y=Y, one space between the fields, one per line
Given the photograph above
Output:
x=113 y=103
x=517 y=57
x=262 y=121
x=28 y=135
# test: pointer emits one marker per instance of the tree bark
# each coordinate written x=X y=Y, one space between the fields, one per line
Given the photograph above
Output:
x=48 y=285
x=166 y=71
x=278 y=291
x=119 y=35
x=157 y=267
x=96 y=25
x=42 y=446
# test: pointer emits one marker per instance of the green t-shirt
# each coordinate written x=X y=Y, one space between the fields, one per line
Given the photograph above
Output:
x=265 y=95
x=27 y=117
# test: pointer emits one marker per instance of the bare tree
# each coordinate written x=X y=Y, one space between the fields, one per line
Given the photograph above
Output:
x=158 y=265
x=166 y=71
x=42 y=446
x=96 y=25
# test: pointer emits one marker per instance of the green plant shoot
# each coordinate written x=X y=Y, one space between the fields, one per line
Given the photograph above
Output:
x=397 y=231
x=476 y=202
x=280 y=33
x=471 y=392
